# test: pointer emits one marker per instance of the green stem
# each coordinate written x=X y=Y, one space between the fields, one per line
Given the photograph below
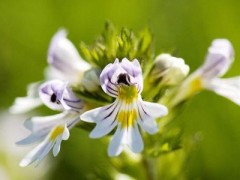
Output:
x=150 y=168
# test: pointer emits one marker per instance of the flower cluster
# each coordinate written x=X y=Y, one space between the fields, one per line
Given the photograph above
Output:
x=131 y=89
x=65 y=67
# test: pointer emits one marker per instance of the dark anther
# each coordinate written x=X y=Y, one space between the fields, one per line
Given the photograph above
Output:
x=123 y=78
x=53 y=98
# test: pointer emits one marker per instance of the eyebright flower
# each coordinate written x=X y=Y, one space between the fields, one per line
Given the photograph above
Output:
x=124 y=81
x=218 y=60
x=64 y=59
x=51 y=130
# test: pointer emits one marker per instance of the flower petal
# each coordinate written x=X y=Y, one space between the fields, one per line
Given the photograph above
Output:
x=134 y=70
x=37 y=124
x=99 y=114
x=51 y=93
x=71 y=102
x=41 y=126
x=32 y=138
x=31 y=101
x=25 y=104
x=135 y=141
x=105 y=117
x=53 y=139
x=52 y=73
x=121 y=72
x=58 y=96
x=129 y=136
x=57 y=145
x=108 y=85
x=147 y=113
x=102 y=129
x=219 y=58
x=40 y=151
x=63 y=55
x=154 y=109
x=148 y=124
x=118 y=141
x=228 y=88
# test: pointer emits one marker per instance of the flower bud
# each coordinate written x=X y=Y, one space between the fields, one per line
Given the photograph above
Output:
x=169 y=69
x=90 y=80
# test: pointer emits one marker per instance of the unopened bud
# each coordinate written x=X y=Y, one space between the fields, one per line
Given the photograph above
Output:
x=169 y=69
x=90 y=80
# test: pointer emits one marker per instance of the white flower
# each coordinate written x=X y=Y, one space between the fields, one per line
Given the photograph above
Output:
x=172 y=69
x=49 y=131
x=65 y=61
x=123 y=80
x=218 y=60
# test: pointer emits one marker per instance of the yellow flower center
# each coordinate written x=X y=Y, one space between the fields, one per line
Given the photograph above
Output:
x=56 y=132
x=127 y=93
x=196 y=84
x=127 y=118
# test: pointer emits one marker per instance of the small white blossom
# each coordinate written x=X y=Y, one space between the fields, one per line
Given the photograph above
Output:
x=49 y=131
x=124 y=81
x=218 y=61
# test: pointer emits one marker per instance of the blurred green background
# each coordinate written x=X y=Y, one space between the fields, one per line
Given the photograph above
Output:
x=185 y=26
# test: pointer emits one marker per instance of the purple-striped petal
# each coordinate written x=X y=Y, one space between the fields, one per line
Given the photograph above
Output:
x=219 y=58
x=105 y=117
x=147 y=113
x=56 y=95
x=119 y=73
x=63 y=55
